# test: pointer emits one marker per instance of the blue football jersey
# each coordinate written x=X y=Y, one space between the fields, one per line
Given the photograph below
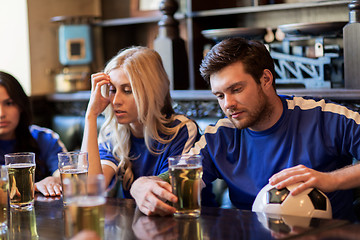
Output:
x=148 y=164
x=319 y=134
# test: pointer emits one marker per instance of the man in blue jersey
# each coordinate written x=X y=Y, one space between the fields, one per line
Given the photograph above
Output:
x=266 y=137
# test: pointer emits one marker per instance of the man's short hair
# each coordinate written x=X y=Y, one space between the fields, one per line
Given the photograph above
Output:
x=253 y=54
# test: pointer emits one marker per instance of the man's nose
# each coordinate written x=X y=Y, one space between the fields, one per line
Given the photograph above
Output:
x=229 y=102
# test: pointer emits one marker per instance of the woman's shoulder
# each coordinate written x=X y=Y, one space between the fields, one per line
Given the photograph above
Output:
x=43 y=132
x=46 y=137
x=182 y=119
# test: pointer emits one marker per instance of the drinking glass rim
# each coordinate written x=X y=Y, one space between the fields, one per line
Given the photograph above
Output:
x=186 y=155
x=11 y=158
x=22 y=154
x=72 y=153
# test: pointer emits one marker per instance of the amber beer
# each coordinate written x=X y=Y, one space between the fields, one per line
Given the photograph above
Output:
x=85 y=209
x=185 y=178
x=23 y=225
x=73 y=166
x=4 y=203
x=77 y=175
x=85 y=213
x=21 y=184
x=21 y=175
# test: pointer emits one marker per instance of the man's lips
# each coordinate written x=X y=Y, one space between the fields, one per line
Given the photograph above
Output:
x=236 y=114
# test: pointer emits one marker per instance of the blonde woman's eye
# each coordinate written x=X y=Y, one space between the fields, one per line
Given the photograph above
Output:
x=127 y=90
x=112 y=90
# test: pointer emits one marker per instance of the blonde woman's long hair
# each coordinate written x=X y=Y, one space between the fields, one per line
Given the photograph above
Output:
x=150 y=87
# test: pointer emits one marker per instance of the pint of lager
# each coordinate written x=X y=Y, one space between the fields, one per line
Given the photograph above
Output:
x=23 y=225
x=4 y=200
x=85 y=205
x=74 y=166
x=185 y=174
x=21 y=169
x=74 y=175
x=85 y=213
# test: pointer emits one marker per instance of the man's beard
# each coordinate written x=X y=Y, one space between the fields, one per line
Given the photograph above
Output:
x=261 y=113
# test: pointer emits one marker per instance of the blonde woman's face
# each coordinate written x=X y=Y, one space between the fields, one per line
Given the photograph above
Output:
x=122 y=98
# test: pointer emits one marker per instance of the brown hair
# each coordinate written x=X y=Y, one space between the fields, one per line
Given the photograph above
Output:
x=253 y=54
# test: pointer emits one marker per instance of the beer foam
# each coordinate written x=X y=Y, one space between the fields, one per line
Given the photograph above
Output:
x=186 y=166
x=21 y=165
x=72 y=171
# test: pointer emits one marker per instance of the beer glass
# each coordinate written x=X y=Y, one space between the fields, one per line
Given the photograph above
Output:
x=21 y=170
x=4 y=200
x=72 y=165
x=85 y=208
x=23 y=225
x=189 y=229
x=185 y=172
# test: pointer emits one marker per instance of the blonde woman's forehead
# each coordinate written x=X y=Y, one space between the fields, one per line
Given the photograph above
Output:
x=118 y=77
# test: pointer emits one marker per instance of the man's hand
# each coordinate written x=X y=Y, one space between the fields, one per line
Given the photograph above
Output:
x=150 y=194
x=325 y=182
x=49 y=186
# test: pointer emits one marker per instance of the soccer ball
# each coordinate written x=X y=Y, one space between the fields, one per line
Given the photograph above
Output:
x=286 y=225
x=310 y=203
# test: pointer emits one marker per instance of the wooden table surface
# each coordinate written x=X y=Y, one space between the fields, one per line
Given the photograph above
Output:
x=124 y=221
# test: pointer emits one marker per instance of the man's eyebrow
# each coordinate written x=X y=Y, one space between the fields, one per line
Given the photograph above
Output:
x=229 y=87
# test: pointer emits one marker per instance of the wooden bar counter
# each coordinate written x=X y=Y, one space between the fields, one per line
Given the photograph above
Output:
x=124 y=221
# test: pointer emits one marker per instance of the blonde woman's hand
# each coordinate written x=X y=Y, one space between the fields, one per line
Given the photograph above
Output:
x=98 y=102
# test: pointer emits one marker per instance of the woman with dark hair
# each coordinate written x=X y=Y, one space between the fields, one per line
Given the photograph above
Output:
x=17 y=134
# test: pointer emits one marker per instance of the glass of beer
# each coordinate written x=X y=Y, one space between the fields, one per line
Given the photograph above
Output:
x=23 y=225
x=21 y=170
x=85 y=208
x=185 y=172
x=72 y=165
x=4 y=200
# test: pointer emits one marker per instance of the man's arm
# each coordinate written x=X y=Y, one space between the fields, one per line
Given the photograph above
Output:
x=341 y=179
x=150 y=194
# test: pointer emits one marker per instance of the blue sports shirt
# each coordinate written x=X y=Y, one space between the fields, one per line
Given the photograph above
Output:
x=148 y=164
x=316 y=133
x=49 y=143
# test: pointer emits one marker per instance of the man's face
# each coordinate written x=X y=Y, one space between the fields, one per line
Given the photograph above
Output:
x=242 y=100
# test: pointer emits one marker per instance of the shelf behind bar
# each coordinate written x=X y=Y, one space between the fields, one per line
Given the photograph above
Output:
x=205 y=95
x=134 y=20
x=333 y=94
x=266 y=8
x=224 y=11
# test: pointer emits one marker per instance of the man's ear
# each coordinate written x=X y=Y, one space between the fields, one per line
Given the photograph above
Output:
x=267 y=78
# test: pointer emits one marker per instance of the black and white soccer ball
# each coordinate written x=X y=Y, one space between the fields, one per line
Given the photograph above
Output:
x=286 y=225
x=310 y=203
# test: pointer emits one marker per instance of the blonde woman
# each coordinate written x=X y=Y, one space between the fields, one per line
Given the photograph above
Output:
x=141 y=129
